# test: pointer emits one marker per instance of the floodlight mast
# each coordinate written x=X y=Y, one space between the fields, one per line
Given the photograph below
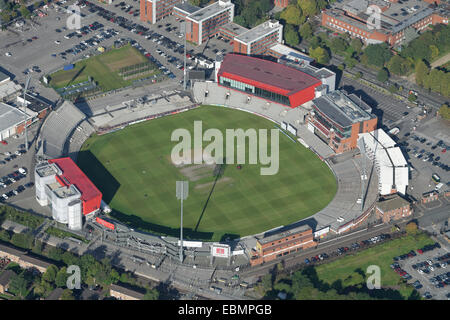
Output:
x=184 y=27
x=182 y=194
x=24 y=110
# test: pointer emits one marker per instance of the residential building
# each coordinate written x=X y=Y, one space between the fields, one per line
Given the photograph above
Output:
x=259 y=39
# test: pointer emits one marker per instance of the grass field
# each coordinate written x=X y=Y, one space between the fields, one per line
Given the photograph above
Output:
x=132 y=168
x=381 y=255
x=102 y=68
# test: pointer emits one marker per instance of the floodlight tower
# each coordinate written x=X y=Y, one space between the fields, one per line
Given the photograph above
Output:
x=24 y=110
x=185 y=25
x=182 y=194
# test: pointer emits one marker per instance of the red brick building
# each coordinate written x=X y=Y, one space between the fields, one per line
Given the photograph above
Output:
x=399 y=22
x=282 y=243
x=281 y=3
x=154 y=10
x=338 y=119
x=206 y=22
x=393 y=208
x=257 y=41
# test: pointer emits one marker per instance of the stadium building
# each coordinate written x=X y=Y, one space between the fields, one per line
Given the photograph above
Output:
x=392 y=167
x=400 y=21
x=282 y=243
x=338 y=120
x=61 y=185
x=155 y=10
x=259 y=39
x=205 y=23
x=266 y=79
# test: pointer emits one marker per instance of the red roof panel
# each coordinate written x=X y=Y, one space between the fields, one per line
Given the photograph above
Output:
x=267 y=72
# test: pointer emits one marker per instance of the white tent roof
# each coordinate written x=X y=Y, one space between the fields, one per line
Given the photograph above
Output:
x=397 y=157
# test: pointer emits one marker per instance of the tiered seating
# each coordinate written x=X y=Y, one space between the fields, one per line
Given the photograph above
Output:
x=57 y=128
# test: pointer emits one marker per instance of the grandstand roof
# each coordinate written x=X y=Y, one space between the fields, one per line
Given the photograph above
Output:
x=270 y=73
x=72 y=174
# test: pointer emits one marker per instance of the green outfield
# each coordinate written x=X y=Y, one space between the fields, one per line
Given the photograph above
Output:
x=133 y=169
x=102 y=68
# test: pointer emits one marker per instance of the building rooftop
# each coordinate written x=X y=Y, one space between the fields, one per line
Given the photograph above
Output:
x=283 y=233
x=259 y=31
x=10 y=116
x=211 y=10
x=392 y=203
x=66 y=191
x=274 y=76
x=3 y=76
x=45 y=170
x=234 y=28
x=290 y=54
x=186 y=7
x=6 y=276
x=340 y=108
x=127 y=291
x=72 y=174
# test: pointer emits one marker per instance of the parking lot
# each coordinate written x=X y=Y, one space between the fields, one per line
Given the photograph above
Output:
x=426 y=269
x=16 y=165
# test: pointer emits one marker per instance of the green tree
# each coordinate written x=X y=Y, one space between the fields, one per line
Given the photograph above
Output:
x=61 y=278
x=412 y=97
x=309 y=7
x=293 y=15
x=291 y=36
x=24 y=11
x=378 y=54
x=315 y=42
x=18 y=286
x=67 y=295
x=434 y=51
x=306 y=31
x=356 y=44
x=151 y=294
x=50 y=274
x=383 y=75
x=421 y=72
x=23 y=240
x=444 y=111
x=4 y=235
x=320 y=54
x=338 y=45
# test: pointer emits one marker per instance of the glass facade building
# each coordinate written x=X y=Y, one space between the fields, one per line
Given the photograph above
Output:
x=259 y=92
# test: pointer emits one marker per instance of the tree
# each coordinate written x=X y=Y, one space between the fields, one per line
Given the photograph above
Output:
x=23 y=240
x=293 y=15
x=50 y=274
x=356 y=44
x=291 y=36
x=399 y=65
x=151 y=294
x=320 y=54
x=315 y=42
x=411 y=228
x=444 y=111
x=421 y=72
x=393 y=88
x=358 y=75
x=412 y=97
x=4 y=235
x=42 y=289
x=434 y=51
x=24 y=11
x=338 y=45
x=18 y=286
x=309 y=7
x=383 y=75
x=306 y=31
x=61 y=278
x=378 y=54
x=55 y=254
x=67 y=295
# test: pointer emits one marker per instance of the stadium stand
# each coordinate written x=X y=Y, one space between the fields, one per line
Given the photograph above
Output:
x=57 y=127
x=83 y=131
